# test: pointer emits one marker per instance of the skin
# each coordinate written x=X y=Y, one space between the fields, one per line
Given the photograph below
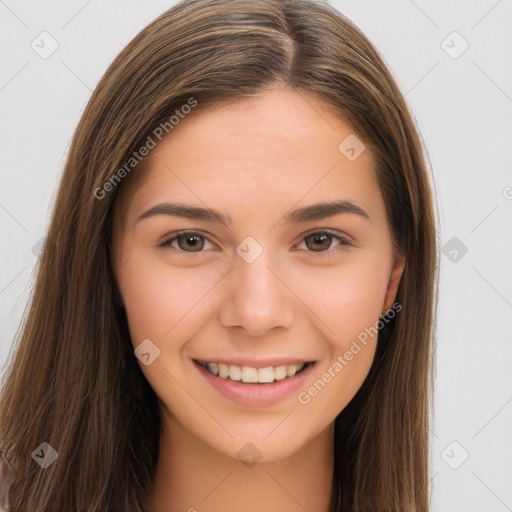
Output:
x=255 y=159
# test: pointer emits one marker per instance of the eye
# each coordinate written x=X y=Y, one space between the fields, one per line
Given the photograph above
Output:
x=186 y=240
x=194 y=242
x=321 y=241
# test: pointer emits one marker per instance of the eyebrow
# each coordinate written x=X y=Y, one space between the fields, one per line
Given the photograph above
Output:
x=304 y=214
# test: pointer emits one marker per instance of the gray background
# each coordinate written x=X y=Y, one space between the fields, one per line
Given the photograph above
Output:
x=462 y=101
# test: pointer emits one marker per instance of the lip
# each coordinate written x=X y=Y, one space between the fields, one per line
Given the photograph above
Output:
x=261 y=363
x=257 y=395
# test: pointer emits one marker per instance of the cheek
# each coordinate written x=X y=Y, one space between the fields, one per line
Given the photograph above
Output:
x=160 y=300
x=348 y=297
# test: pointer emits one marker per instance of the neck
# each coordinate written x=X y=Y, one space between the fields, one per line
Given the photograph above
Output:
x=194 y=477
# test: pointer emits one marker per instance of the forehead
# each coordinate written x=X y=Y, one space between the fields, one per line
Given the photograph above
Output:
x=281 y=145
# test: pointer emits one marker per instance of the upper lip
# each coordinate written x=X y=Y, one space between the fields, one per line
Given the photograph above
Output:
x=260 y=363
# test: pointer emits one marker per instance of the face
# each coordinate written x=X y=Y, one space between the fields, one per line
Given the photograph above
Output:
x=269 y=291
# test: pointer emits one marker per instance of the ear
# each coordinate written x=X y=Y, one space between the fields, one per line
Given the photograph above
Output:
x=394 y=281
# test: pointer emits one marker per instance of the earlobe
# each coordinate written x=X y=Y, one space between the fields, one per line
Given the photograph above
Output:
x=394 y=281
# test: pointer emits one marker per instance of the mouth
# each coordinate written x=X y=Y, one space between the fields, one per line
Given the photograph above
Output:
x=253 y=375
x=260 y=386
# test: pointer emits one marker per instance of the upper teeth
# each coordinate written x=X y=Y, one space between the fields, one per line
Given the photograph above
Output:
x=252 y=375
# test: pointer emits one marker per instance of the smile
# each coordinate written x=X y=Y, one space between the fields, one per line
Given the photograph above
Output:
x=252 y=386
x=251 y=375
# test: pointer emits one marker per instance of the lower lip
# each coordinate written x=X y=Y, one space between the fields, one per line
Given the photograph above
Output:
x=257 y=395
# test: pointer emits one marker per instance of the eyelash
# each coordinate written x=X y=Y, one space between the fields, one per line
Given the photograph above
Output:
x=169 y=239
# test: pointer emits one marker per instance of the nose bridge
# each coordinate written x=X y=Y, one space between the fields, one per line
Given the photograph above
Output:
x=257 y=300
x=255 y=277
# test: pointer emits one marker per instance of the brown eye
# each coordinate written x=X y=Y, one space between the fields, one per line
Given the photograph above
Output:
x=321 y=242
x=187 y=242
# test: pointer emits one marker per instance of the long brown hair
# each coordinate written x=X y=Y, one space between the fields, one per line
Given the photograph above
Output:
x=74 y=381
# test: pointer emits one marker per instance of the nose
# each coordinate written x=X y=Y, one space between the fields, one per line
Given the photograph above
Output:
x=258 y=297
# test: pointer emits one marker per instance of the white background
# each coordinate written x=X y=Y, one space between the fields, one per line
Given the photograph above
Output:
x=463 y=107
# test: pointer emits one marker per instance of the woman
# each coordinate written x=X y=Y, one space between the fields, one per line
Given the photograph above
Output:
x=193 y=342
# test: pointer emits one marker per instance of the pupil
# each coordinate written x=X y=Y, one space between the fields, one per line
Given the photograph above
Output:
x=192 y=240
x=322 y=238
